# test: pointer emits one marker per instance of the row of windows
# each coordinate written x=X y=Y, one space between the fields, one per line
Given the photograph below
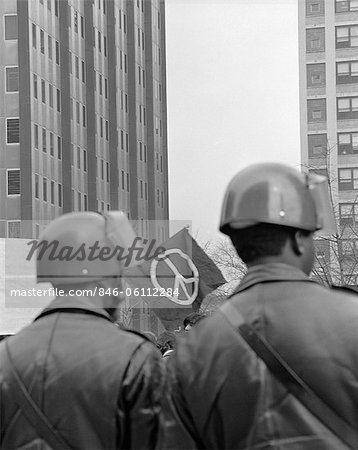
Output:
x=100 y=46
x=316 y=7
x=346 y=36
x=49 y=192
x=348 y=214
x=50 y=7
x=160 y=198
x=78 y=69
x=142 y=149
x=77 y=21
x=82 y=201
x=51 y=90
x=347 y=109
x=102 y=85
x=143 y=189
x=52 y=43
x=102 y=127
x=159 y=162
x=77 y=110
x=47 y=141
x=347 y=143
x=79 y=158
x=348 y=179
x=122 y=21
x=125 y=180
x=140 y=2
x=346 y=73
x=141 y=76
x=124 y=140
x=102 y=170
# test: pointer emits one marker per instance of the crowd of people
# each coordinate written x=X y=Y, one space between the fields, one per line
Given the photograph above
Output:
x=274 y=368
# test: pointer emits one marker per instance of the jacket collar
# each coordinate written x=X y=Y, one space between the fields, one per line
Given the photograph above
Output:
x=77 y=304
x=263 y=273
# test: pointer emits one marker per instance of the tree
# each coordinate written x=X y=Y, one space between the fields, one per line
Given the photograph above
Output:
x=336 y=254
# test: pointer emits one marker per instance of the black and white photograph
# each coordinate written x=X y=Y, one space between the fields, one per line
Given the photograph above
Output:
x=179 y=224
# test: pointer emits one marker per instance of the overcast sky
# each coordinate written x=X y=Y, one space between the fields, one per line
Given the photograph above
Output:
x=232 y=84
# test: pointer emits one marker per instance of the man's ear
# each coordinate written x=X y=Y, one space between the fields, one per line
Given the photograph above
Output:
x=297 y=243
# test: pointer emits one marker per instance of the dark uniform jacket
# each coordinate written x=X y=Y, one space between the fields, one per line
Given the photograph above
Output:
x=99 y=386
x=224 y=394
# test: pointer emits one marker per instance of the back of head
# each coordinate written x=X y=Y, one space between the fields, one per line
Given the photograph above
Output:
x=265 y=204
x=83 y=247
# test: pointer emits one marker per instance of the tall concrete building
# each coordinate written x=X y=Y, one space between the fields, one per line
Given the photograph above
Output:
x=82 y=112
x=328 y=46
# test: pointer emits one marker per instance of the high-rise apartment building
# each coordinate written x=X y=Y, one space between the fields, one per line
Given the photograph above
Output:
x=82 y=112
x=328 y=42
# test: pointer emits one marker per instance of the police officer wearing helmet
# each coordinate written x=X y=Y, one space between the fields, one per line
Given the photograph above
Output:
x=99 y=387
x=222 y=392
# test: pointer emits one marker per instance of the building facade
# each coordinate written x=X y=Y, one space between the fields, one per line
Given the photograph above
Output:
x=83 y=123
x=328 y=54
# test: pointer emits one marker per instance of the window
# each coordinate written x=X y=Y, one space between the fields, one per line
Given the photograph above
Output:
x=85 y=200
x=347 y=36
x=317 y=144
x=52 y=192
x=36 y=136
x=347 y=72
x=141 y=189
x=37 y=192
x=77 y=112
x=99 y=41
x=346 y=5
x=14 y=229
x=140 y=151
x=83 y=71
x=85 y=160
x=105 y=88
x=101 y=126
x=13 y=182
x=348 y=179
x=316 y=110
x=82 y=27
x=347 y=143
x=347 y=108
x=124 y=23
x=43 y=91
x=127 y=142
x=57 y=52
x=348 y=213
x=56 y=8
x=12 y=79
x=77 y=67
x=34 y=31
x=107 y=130
x=314 y=8
x=122 y=172
x=49 y=46
x=34 y=79
x=78 y=158
x=52 y=148
x=60 y=195
x=42 y=41
x=105 y=45
x=315 y=41
x=44 y=149
x=50 y=95
x=75 y=18
x=102 y=169
x=44 y=189
x=316 y=76
x=12 y=131
x=127 y=182
x=11 y=27
x=122 y=140
x=59 y=148
x=83 y=115
x=49 y=4
x=58 y=100
x=100 y=83
x=107 y=171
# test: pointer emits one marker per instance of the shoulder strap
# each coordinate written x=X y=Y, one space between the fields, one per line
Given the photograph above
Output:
x=31 y=411
x=289 y=378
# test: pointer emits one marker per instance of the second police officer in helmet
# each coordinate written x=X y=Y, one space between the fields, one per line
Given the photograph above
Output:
x=97 y=386
x=223 y=393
